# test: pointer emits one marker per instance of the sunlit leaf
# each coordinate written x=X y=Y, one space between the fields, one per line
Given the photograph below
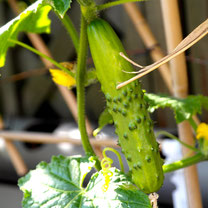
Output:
x=121 y=193
x=59 y=184
x=55 y=184
x=60 y=6
x=34 y=19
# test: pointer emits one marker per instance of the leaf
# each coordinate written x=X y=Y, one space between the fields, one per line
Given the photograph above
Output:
x=121 y=193
x=183 y=109
x=91 y=77
x=59 y=184
x=34 y=19
x=60 y=6
x=104 y=119
x=204 y=102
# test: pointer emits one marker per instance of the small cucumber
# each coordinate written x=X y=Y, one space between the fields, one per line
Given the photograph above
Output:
x=127 y=106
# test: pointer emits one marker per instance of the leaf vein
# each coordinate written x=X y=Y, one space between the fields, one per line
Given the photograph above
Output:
x=63 y=179
x=73 y=199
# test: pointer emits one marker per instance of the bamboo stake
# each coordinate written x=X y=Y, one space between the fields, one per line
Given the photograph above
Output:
x=47 y=138
x=14 y=154
x=149 y=40
x=173 y=33
x=16 y=158
x=24 y=75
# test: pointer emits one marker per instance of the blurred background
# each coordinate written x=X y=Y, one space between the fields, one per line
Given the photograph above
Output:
x=30 y=101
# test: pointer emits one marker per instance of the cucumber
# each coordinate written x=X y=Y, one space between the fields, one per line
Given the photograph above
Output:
x=127 y=107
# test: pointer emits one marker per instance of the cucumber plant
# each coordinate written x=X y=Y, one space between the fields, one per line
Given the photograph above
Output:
x=60 y=182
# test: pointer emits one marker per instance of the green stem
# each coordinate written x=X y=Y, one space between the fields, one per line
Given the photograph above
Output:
x=86 y=3
x=113 y=3
x=184 y=163
x=71 y=30
x=80 y=76
x=174 y=137
x=42 y=55
x=192 y=123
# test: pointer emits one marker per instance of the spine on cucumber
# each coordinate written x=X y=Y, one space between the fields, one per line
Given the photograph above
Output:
x=127 y=106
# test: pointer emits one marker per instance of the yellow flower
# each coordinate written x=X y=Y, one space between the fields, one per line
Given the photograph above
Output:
x=62 y=78
x=202 y=131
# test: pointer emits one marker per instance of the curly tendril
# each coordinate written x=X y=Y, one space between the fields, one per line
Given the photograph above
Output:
x=107 y=173
x=106 y=165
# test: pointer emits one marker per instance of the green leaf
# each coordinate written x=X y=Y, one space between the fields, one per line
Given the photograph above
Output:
x=90 y=77
x=121 y=193
x=183 y=109
x=60 y=6
x=104 y=119
x=59 y=184
x=34 y=19
x=204 y=102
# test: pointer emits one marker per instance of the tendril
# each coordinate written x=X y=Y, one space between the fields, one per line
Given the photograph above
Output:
x=107 y=173
x=106 y=165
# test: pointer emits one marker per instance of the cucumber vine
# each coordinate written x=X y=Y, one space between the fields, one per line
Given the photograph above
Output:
x=62 y=178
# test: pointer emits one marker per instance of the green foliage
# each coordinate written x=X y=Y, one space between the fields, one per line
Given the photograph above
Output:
x=183 y=109
x=34 y=19
x=60 y=6
x=90 y=77
x=104 y=119
x=121 y=193
x=55 y=184
x=59 y=184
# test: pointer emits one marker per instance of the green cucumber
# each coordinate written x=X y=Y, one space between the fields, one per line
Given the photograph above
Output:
x=127 y=107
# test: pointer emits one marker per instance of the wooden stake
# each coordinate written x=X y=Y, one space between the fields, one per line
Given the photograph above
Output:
x=173 y=34
x=47 y=138
x=16 y=158
x=149 y=40
x=14 y=154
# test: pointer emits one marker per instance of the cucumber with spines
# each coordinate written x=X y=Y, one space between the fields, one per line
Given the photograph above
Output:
x=127 y=107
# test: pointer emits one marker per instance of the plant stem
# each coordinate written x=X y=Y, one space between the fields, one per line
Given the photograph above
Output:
x=192 y=123
x=80 y=76
x=42 y=55
x=184 y=163
x=71 y=30
x=114 y=3
x=174 y=137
